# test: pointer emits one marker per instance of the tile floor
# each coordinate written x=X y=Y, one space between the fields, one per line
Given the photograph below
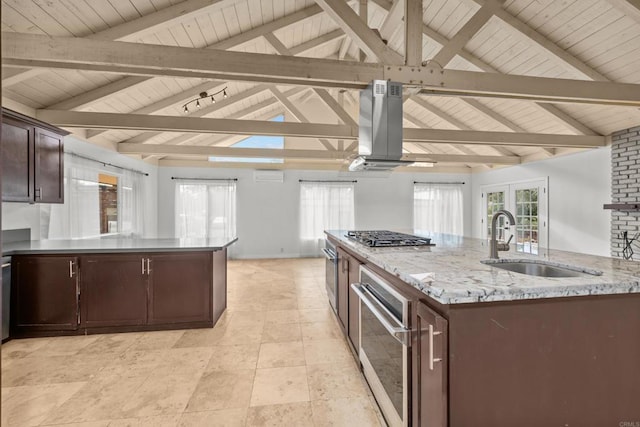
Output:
x=276 y=358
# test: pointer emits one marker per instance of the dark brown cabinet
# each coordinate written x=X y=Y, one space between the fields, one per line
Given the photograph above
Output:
x=180 y=288
x=348 y=301
x=114 y=290
x=44 y=295
x=32 y=160
x=429 y=373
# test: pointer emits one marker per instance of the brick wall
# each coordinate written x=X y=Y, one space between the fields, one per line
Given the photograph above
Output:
x=625 y=188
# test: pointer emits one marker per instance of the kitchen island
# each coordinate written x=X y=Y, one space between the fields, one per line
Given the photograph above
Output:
x=68 y=287
x=499 y=348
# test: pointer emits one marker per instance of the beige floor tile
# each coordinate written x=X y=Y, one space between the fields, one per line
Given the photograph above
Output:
x=280 y=385
x=159 y=340
x=222 y=390
x=277 y=303
x=103 y=423
x=110 y=344
x=326 y=351
x=200 y=337
x=158 y=421
x=239 y=336
x=282 y=354
x=184 y=361
x=52 y=370
x=309 y=303
x=284 y=415
x=161 y=395
x=282 y=316
x=66 y=346
x=281 y=332
x=227 y=357
x=29 y=405
x=335 y=380
x=355 y=411
x=100 y=399
x=320 y=331
x=16 y=349
x=316 y=315
x=223 y=418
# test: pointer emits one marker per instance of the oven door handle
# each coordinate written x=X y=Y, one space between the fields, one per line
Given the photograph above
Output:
x=331 y=256
x=402 y=335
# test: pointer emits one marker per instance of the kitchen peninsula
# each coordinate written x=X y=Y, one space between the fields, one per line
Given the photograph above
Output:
x=69 y=287
x=501 y=348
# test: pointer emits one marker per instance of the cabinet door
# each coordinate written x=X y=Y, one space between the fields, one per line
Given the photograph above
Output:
x=343 y=293
x=429 y=374
x=44 y=293
x=17 y=161
x=49 y=167
x=354 y=304
x=180 y=287
x=113 y=290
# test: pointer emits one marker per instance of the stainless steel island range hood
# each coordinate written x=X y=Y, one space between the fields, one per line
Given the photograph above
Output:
x=380 y=130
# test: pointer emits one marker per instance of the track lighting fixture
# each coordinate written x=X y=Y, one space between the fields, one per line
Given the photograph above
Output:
x=202 y=96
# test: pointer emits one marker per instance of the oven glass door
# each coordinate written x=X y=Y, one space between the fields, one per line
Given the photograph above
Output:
x=382 y=354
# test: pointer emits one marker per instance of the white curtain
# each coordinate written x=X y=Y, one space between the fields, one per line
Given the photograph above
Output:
x=131 y=204
x=437 y=208
x=79 y=216
x=206 y=210
x=324 y=206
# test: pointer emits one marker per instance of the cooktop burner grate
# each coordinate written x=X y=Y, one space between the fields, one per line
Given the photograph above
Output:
x=386 y=238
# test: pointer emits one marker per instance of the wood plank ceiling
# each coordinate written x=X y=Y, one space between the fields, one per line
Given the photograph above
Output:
x=487 y=82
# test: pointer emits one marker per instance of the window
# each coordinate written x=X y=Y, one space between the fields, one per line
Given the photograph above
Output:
x=96 y=202
x=324 y=206
x=527 y=201
x=206 y=210
x=437 y=208
x=257 y=141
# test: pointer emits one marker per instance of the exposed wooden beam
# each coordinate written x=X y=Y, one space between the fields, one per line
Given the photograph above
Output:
x=178 y=61
x=359 y=31
x=317 y=42
x=173 y=100
x=413 y=32
x=299 y=115
x=571 y=122
x=138 y=28
x=468 y=30
x=209 y=109
x=454 y=121
x=93 y=120
x=363 y=12
x=95 y=95
x=200 y=150
x=480 y=64
x=393 y=21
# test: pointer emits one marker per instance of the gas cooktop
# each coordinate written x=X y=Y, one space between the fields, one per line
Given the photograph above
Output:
x=386 y=238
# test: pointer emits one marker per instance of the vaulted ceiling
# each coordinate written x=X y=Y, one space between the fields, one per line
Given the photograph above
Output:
x=486 y=82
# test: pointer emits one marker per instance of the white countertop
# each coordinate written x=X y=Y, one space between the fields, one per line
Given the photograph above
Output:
x=459 y=276
x=113 y=245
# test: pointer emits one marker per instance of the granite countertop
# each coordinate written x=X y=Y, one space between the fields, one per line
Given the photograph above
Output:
x=454 y=272
x=113 y=245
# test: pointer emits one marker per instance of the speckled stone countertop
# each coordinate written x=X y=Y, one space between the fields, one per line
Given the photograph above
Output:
x=113 y=245
x=458 y=276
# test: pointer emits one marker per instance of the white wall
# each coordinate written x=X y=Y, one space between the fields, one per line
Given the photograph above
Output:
x=24 y=215
x=267 y=217
x=579 y=184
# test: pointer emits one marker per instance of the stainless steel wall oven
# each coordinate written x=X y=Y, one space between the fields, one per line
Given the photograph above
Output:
x=385 y=338
x=331 y=278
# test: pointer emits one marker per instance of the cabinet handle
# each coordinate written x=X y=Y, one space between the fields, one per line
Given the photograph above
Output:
x=143 y=273
x=38 y=193
x=70 y=268
x=431 y=358
x=148 y=266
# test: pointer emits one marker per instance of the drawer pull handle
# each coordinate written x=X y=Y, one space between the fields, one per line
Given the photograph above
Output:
x=432 y=360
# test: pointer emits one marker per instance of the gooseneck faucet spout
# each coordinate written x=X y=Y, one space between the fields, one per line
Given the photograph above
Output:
x=493 y=244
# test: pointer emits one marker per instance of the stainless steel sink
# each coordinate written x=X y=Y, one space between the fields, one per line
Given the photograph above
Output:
x=541 y=269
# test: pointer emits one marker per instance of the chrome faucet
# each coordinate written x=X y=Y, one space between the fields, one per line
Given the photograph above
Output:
x=494 y=245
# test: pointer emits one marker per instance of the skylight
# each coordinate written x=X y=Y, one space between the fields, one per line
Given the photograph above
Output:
x=256 y=141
